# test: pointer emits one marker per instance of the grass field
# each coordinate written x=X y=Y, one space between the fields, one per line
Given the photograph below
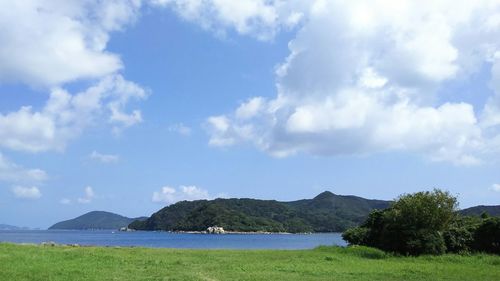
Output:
x=30 y=262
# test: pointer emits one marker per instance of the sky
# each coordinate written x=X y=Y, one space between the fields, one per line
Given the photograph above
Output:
x=129 y=106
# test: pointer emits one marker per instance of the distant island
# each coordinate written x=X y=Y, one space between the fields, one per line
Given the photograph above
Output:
x=12 y=227
x=96 y=220
x=326 y=212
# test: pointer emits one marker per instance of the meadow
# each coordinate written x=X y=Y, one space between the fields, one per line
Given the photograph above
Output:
x=35 y=262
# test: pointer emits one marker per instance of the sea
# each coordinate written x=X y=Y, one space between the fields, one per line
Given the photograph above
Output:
x=156 y=239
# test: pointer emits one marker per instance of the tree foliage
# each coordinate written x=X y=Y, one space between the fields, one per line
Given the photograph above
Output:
x=426 y=223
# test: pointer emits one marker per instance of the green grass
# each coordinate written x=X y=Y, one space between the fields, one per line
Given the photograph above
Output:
x=30 y=262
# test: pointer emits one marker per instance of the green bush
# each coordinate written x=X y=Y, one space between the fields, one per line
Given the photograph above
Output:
x=487 y=236
x=459 y=237
x=412 y=225
x=425 y=241
x=426 y=223
x=356 y=235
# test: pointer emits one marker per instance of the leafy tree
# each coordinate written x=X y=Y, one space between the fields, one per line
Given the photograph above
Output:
x=412 y=225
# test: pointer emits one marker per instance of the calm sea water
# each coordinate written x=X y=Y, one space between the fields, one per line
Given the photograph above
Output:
x=174 y=240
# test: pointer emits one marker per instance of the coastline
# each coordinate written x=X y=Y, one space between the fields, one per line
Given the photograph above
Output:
x=238 y=232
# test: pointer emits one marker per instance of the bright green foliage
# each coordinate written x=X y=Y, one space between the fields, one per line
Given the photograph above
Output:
x=326 y=212
x=37 y=263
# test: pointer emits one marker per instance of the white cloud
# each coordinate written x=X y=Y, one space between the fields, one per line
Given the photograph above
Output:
x=26 y=192
x=52 y=42
x=65 y=201
x=180 y=128
x=89 y=196
x=250 y=108
x=104 y=158
x=495 y=187
x=365 y=77
x=258 y=18
x=47 y=44
x=170 y=195
x=13 y=173
x=65 y=116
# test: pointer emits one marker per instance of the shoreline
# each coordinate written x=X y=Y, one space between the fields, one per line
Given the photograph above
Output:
x=176 y=231
x=237 y=232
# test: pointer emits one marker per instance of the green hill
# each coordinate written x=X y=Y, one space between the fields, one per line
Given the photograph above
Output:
x=327 y=212
x=95 y=220
x=478 y=210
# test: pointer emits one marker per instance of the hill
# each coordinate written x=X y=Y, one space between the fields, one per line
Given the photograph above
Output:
x=478 y=210
x=95 y=220
x=326 y=212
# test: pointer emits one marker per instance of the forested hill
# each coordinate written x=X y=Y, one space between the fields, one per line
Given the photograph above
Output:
x=327 y=212
x=95 y=220
x=478 y=210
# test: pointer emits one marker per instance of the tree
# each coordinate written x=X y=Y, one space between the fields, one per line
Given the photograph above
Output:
x=412 y=225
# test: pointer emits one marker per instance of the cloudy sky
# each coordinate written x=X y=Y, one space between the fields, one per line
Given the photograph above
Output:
x=130 y=105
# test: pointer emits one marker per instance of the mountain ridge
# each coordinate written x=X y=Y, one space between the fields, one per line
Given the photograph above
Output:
x=326 y=212
x=492 y=210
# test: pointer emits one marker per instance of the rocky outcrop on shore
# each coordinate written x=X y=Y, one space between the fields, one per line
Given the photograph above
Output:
x=215 y=230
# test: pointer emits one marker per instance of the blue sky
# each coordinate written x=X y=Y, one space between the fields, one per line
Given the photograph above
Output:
x=128 y=106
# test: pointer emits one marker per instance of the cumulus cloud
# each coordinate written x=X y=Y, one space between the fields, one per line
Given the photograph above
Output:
x=66 y=115
x=170 y=195
x=364 y=77
x=495 y=187
x=104 y=158
x=13 y=173
x=180 y=128
x=26 y=192
x=88 y=197
x=48 y=43
x=257 y=18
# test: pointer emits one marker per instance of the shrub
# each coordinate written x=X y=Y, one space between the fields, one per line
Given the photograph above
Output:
x=356 y=235
x=487 y=236
x=412 y=225
x=425 y=242
x=459 y=237
x=458 y=240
